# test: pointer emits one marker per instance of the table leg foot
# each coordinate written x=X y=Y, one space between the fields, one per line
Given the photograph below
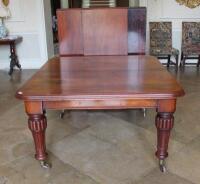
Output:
x=45 y=164
x=37 y=124
x=162 y=166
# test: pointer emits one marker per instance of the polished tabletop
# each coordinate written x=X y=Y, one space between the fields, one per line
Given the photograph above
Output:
x=101 y=77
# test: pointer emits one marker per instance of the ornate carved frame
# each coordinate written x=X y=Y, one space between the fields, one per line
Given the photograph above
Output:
x=5 y=2
x=189 y=3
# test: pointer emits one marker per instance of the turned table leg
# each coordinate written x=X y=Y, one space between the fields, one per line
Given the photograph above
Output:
x=38 y=124
x=164 y=124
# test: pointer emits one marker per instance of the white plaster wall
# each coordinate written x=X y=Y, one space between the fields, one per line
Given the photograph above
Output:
x=170 y=10
x=48 y=28
x=134 y=3
x=27 y=20
x=64 y=3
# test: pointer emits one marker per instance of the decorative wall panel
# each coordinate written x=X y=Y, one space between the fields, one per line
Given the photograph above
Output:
x=17 y=11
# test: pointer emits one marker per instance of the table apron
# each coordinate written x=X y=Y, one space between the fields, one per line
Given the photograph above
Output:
x=100 y=104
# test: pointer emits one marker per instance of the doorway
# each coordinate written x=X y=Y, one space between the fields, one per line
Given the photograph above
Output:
x=55 y=4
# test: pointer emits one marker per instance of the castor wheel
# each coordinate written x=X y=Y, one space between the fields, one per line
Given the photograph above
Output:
x=162 y=166
x=45 y=164
x=62 y=114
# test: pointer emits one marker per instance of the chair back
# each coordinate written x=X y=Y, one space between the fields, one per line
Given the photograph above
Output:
x=191 y=38
x=160 y=38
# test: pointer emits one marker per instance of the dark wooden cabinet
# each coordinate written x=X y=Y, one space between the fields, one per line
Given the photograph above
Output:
x=122 y=3
x=102 y=31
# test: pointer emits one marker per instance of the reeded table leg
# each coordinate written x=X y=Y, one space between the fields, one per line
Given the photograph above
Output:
x=164 y=124
x=38 y=124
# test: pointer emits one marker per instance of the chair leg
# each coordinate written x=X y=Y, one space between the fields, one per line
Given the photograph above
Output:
x=177 y=58
x=198 y=64
x=168 y=60
x=184 y=61
x=181 y=63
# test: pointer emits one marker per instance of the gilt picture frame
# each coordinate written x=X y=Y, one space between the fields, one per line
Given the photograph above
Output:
x=189 y=3
x=6 y=2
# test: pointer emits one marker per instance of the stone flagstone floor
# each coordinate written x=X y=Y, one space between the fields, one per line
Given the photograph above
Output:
x=100 y=147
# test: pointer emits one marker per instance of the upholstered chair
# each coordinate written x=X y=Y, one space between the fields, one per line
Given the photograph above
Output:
x=161 y=42
x=190 y=42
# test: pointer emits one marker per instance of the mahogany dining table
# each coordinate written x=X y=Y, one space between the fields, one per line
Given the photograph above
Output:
x=101 y=82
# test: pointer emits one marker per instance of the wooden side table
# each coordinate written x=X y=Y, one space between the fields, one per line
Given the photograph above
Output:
x=12 y=41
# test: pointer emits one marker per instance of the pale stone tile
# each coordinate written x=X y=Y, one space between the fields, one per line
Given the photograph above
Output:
x=28 y=171
x=79 y=119
x=8 y=175
x=110 y=150
x=130 y=115
x=72 y=178
x=117 y=167
x=186 y=163
x=14 y=118
x=127 y=135
x=12 y=137
x=14 y=145
x=101 y=160
x=17 y=151
x=156 y=177
x=78 y=148
x=185 y=121
x=57 y=129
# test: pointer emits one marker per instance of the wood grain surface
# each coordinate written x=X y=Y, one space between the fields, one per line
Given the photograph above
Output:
x=100 y=77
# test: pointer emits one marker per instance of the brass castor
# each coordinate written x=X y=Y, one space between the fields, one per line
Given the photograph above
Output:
x=62 y=114
x=144 y=112
x=162 y=166
x=44 y=164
